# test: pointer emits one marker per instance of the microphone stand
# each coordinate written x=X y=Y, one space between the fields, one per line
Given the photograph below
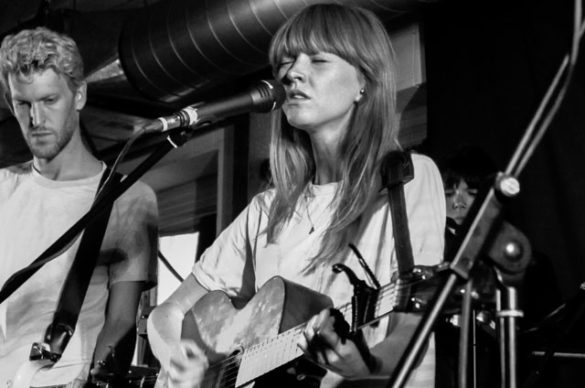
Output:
x=511 y=251
x=263 y=98
x=507 y=248
x=175 y=139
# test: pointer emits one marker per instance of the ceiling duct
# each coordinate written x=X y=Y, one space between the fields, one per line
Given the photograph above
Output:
x=176 y=48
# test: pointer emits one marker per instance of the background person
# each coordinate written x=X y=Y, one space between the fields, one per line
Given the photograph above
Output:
x=464 y=173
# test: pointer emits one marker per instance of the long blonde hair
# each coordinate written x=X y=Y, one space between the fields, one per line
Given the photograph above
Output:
x=357 y=36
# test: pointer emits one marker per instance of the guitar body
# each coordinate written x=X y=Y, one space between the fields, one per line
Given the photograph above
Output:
x=254 y=343
x=221 y=329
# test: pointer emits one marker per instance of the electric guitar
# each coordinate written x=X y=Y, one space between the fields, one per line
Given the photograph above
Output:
x=243 y=345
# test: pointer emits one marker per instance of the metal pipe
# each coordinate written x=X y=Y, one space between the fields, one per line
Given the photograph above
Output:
x=174 y=48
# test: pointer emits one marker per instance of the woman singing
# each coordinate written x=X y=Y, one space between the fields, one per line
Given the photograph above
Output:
x=337 y=124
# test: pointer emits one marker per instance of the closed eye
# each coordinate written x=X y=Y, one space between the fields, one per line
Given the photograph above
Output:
x=285 y=61
x=20 y=104
x=318 y=59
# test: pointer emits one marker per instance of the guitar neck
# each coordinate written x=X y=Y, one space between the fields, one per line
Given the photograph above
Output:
x=273 y=353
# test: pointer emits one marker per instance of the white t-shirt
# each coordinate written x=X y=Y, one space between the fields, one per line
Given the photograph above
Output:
x=34 y=212
x=243 y=246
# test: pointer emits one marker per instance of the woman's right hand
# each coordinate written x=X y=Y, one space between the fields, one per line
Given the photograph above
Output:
x=188 y=364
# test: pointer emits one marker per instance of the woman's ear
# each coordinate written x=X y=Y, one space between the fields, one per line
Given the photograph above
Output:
x=362 y=92
x=360 y=95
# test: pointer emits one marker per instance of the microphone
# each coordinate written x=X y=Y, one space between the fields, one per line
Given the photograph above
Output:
x=263 y=97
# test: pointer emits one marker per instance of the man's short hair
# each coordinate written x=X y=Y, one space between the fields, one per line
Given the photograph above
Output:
x=36 y=50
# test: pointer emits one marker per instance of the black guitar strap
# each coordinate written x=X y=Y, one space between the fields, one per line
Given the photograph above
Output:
x=396 y=170
x=75 y=287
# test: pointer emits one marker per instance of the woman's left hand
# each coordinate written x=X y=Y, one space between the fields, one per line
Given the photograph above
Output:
x=322 y=344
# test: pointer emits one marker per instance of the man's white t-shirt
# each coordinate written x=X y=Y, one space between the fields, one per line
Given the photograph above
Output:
x=36 y=211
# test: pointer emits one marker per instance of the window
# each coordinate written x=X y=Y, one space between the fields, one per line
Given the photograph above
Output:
x=180 y=251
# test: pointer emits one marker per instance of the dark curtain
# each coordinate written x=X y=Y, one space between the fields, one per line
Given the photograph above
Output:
x=488 y=65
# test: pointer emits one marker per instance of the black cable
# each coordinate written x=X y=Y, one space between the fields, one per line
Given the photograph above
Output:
x=120 y=157
x=171 y=269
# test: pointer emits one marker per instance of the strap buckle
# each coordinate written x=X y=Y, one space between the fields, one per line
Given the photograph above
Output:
x=42 y=351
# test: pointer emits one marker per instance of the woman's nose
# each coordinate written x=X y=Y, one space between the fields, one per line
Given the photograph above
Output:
x=297 y=70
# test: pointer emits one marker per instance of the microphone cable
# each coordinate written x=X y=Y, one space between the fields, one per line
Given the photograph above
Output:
x=169 y=266
x=118 y=160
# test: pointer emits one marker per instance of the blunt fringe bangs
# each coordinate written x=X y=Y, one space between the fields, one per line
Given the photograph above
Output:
x=328 y=28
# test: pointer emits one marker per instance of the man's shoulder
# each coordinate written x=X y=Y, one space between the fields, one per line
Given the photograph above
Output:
x=16 y=169
x=140 y=190
x=140 y=195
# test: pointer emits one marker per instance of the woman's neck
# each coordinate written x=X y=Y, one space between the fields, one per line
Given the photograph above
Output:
x=326 y=153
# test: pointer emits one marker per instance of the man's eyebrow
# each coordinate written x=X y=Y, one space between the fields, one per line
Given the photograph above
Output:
x=17 y=97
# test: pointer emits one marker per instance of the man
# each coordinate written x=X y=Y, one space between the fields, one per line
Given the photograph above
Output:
x=42 y=77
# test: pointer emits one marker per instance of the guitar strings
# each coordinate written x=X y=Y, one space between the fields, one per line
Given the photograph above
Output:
x=230 y=374
x=232 y=367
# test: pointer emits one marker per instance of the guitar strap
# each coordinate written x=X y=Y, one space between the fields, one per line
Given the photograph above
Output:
x=75 y=287
x=396 y=170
